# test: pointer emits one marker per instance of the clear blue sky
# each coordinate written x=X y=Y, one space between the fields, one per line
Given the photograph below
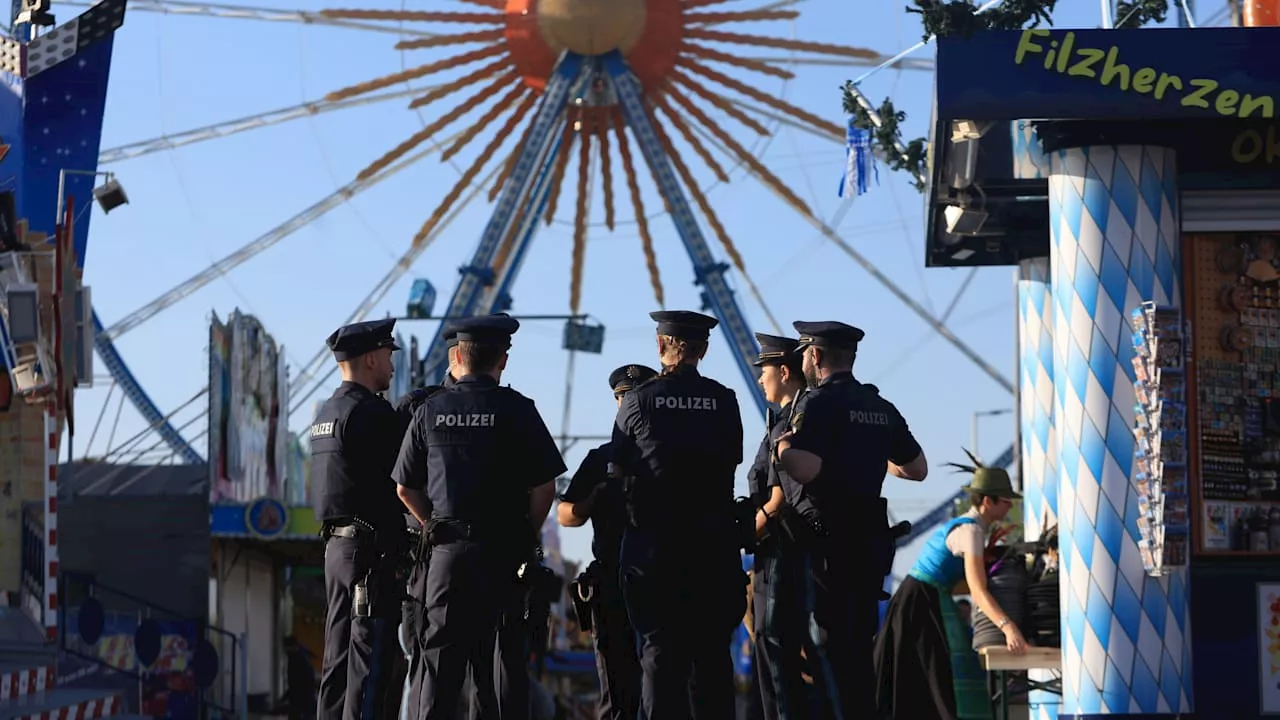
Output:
x=197 y=204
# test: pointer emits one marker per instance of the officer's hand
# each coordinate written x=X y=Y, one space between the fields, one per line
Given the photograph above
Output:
x=1013 y=639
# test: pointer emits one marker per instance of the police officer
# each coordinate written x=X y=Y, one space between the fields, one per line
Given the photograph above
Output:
x=411 y=624
x=843 y=438
x=593 y=495
x=354 y=441
x=476 y=465
x=776 y=585
x=677 y=442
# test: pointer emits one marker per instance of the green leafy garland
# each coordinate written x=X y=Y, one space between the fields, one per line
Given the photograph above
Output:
x=947 y=18
x=886 y=136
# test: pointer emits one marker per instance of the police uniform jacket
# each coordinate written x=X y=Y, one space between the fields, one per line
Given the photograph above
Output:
x=476 y=450
x=679 y=438
x=855 y=431
x=764 y=473
x=354 y=441
x=609 y=513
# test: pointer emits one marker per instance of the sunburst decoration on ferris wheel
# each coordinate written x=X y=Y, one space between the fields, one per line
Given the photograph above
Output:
x=664 y=43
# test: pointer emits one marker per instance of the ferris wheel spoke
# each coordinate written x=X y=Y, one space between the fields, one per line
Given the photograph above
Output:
x=273 y=236
x=251 y=122
x=904 y=63
x=242 y=12
x=894 y=289
x=398 y=271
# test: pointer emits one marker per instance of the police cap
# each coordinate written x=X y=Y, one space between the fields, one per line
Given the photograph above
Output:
x=828 y=334
x=486 y=329
x=774 y=350
x=684 y=324
x=628 y=377
x=450 y=337
x=351 y=341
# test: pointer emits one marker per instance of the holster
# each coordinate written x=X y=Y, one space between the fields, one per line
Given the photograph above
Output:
x=795 y=528
x=584 y=592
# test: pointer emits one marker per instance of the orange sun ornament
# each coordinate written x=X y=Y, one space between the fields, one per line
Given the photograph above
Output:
x=670 y=46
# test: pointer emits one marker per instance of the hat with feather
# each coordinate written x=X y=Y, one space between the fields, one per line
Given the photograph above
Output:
x=989 y=481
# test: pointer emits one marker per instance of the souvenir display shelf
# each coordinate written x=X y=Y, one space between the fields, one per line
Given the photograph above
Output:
x=1233 y=293
x=1160 y=434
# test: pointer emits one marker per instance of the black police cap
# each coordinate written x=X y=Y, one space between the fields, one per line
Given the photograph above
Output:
x=351 y=341
x=774 y=349
x=628 y=377
x=450 y=337
x=684 y=324
x=486 y=329
x=828 y=334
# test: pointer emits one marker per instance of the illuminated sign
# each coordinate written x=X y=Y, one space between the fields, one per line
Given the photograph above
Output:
x=1149 y=74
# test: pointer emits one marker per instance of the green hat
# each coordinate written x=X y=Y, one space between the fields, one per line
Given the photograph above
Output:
x=989 y=481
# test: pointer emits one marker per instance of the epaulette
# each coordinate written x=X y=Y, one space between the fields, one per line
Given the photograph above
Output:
x=410 y=403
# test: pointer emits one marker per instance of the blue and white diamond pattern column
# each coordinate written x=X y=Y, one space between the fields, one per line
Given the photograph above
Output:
x=1114 y=229
x=1029 y=159
x=1035 y=391
x=1039 y=446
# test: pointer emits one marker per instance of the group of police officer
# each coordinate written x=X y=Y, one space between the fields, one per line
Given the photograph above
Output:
x=474 y=465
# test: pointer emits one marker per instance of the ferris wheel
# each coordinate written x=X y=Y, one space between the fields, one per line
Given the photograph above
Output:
x=651 y=102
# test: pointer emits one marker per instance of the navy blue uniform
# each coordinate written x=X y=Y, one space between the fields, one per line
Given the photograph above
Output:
x=617 y=662
x=413 y=617
x=677 y=441
x=354 y=440
x=778 y=610
x=856 y=432
x=475 y=450
x=777 y=588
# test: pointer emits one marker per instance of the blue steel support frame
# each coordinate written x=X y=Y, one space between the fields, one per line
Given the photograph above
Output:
x=116 y=366
x=500 y=300
x=566 y=78
x=708 y=272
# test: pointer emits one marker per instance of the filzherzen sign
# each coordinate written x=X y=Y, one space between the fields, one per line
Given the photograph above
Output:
x=1152 y=74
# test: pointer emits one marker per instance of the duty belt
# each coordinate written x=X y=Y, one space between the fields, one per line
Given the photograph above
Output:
x=349 y=528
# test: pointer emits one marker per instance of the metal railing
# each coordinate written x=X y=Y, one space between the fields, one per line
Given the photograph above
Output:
x=197 y=671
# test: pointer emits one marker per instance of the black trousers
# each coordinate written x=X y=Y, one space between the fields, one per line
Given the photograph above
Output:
x=465 y=595
x=780 y=623
x=359 y=653
x=685 y=604
x=413 y=628
x=842 y=612
x=617 y=659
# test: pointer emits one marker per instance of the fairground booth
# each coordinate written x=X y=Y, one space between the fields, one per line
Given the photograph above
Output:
x=1133 y=179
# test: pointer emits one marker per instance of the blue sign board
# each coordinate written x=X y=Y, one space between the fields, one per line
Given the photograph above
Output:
x=1148 y=74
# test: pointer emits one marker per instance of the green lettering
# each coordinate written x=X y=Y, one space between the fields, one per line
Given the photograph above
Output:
x=1266 y=104
x=1084 y=66
x=1226 y=101
x=1143 y=80
x=1165 y=82
x=1027 y=44
x=1246 y=147
x=1064 y=53
x=1111 y=69
x=1197 y=98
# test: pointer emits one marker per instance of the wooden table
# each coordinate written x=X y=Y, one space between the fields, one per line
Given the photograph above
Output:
x=1000 y=661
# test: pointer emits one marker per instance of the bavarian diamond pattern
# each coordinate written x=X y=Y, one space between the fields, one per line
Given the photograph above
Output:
x=1029 y=159
x=1113 y=222
x=1035 y=390
x=1035 y=353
